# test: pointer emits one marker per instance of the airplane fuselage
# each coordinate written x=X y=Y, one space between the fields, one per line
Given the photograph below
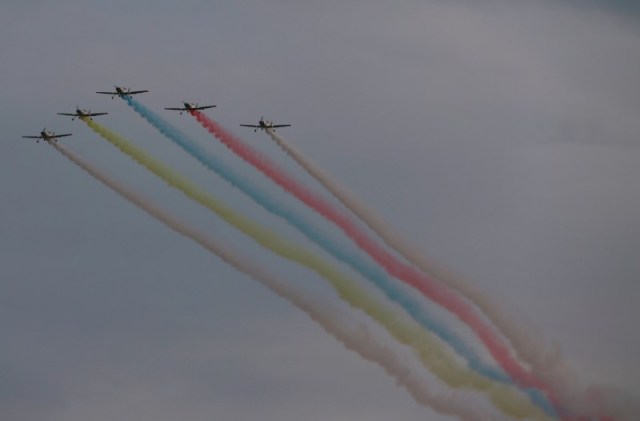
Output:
x=82 y=113
x=47 y=136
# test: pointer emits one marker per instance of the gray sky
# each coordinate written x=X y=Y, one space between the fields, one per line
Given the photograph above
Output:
x=500 y=137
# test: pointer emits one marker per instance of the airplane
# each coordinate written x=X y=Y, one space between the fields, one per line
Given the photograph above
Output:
x=47 y=136
x=82 y=113
x=264 y=125
x=190 y=106
x=121 y=92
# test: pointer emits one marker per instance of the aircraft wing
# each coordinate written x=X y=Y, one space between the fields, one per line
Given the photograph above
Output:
x=89 y=115
x=107 y=93
x=135 y=92
x=204 y=107
x=62 y=135
x=69 y=114
x=176 y=109
x=250 y=125
x=32 y=137
x=274 y=126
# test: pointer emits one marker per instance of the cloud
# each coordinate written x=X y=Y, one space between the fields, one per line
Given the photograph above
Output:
x=499 y=137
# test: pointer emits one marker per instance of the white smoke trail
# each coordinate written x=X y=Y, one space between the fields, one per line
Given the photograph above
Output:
x=549 y=365
x=357 y=338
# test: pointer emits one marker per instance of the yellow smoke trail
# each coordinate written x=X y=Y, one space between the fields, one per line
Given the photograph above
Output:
x=430 y=351
x=334 y=321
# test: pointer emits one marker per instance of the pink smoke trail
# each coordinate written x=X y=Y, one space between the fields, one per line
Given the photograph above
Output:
x=335 y=321
x=427 y=286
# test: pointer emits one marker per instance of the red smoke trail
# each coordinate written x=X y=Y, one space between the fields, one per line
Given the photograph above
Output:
x=427 y=286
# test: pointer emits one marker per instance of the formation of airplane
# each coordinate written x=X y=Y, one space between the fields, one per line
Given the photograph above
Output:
x=121 y=92
x=191 y=106
x=82 y=113
x=47 y=136
x=264 y=125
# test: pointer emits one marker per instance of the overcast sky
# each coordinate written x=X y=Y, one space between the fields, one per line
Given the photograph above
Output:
x=500 y=137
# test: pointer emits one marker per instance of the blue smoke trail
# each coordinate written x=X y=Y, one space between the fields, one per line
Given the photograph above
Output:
x=370 y=271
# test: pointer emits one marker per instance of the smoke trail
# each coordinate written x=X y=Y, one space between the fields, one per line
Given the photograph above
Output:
x=371 y=272
x=526 y=349
x=550 y=366
x=335 y=322
x=427 y=286
x=432 y=354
